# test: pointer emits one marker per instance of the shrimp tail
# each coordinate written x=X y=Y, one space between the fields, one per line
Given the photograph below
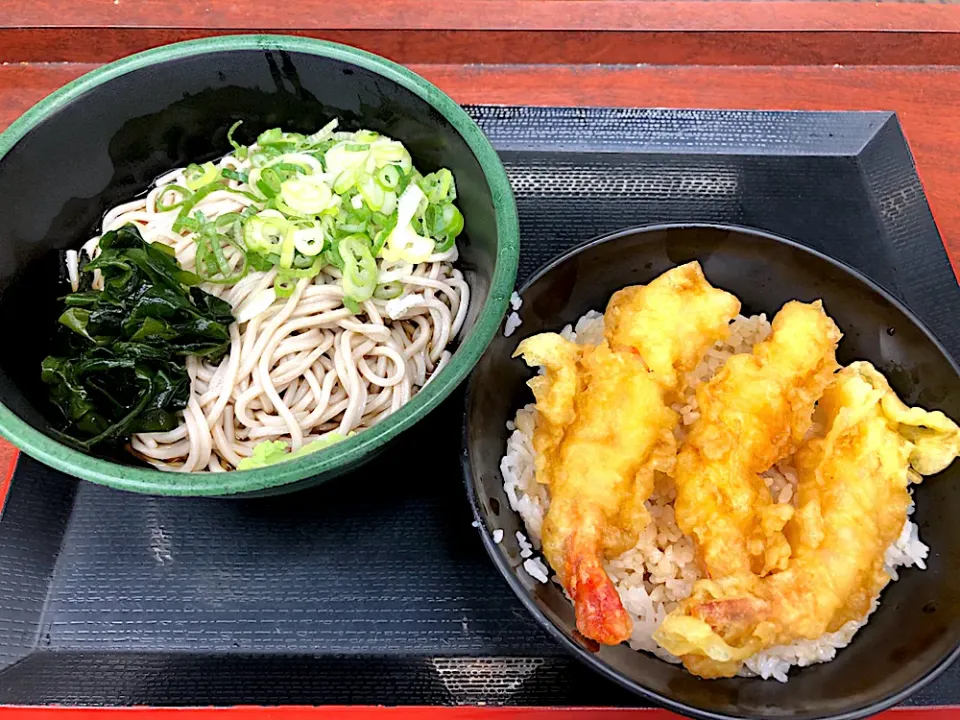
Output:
x=600 y=614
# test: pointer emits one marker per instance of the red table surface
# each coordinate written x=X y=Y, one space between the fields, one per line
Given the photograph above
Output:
x=727 y=54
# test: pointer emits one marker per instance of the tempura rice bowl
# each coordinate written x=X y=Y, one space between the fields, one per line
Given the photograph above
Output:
x=660 y=570
x=914 y=632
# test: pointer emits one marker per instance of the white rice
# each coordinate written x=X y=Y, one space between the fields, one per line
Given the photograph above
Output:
x=526 y=548
x=516 y=301
x=660 y=570
x=497 y=536
x=512 y=323
x=536 y=568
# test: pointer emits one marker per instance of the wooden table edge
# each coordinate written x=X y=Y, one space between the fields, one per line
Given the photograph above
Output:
x=574 y=15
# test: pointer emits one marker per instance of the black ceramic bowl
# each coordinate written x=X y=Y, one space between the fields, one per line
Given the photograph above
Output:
x=916 y=631
x=106 y=137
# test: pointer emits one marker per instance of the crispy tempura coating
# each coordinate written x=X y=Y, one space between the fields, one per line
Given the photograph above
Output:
x=671 y=322
x=852 y=505
x=604 y=428
x=754 y=412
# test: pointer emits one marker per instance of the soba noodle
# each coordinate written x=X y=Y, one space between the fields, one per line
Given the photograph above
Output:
x=300 y=367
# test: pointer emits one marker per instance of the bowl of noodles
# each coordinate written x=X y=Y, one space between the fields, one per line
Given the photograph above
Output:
x=243 y=265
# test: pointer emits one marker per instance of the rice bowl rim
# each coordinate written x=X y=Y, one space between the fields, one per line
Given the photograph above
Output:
x=499 y=556
x=351 y=451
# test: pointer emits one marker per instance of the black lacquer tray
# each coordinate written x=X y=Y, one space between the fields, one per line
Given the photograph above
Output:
x=375 y=589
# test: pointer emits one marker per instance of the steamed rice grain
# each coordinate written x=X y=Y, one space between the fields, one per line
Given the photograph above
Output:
x=536 y=569
x=512 y=323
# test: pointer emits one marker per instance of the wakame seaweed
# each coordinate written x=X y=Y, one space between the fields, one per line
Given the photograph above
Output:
x=121 y=365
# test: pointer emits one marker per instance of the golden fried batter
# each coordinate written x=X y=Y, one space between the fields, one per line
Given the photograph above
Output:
x=671 y=322
x=754 y=412
x=852 y=505
x=555 y=391
x=601 y=477
x=604 y=428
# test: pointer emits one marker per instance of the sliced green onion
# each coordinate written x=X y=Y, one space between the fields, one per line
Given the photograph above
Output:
x=287 y=250
x=258 y=262
x=329 y=226
x=388 y=291
x=352 y=305
x=287 y=170
x=406 y=163
x=359 y=268
x=389 y=203
x=438 y=186
x=346 y=180
x=227 y=221
x=311 y=270
x=306 y=196
x=301 y=261
x=284 y=286
x=445 y=244
x=234 y=175
x=183 y=193
x=405 y=243
x=389 y=177
x=371 y=191
x=351 y=225
x=271 y=136
x=277 y=203
x=233 y=128
x=210 y=255
x=342 y=199
x=301 y=163
x=341 y=157
x=443 y=220
x=265 y=232
x=332 y=255
x=183 y=219
x=196 y=176
x=268 y=182
x=381 y=237
x=410 y=177
x=454 y=220
x=361 y=213
x=390 y=152
x=309 y=240
x=323 y=133
x=221 y=260
x=409 y=204
x=263 y=157
x=319 y=153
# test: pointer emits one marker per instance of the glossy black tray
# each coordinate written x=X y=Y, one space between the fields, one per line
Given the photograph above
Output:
x=375 y=589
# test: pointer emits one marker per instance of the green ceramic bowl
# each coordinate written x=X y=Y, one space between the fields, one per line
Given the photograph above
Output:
x=105 y=137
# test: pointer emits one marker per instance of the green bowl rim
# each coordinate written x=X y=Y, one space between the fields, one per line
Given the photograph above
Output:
x=350 y=451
